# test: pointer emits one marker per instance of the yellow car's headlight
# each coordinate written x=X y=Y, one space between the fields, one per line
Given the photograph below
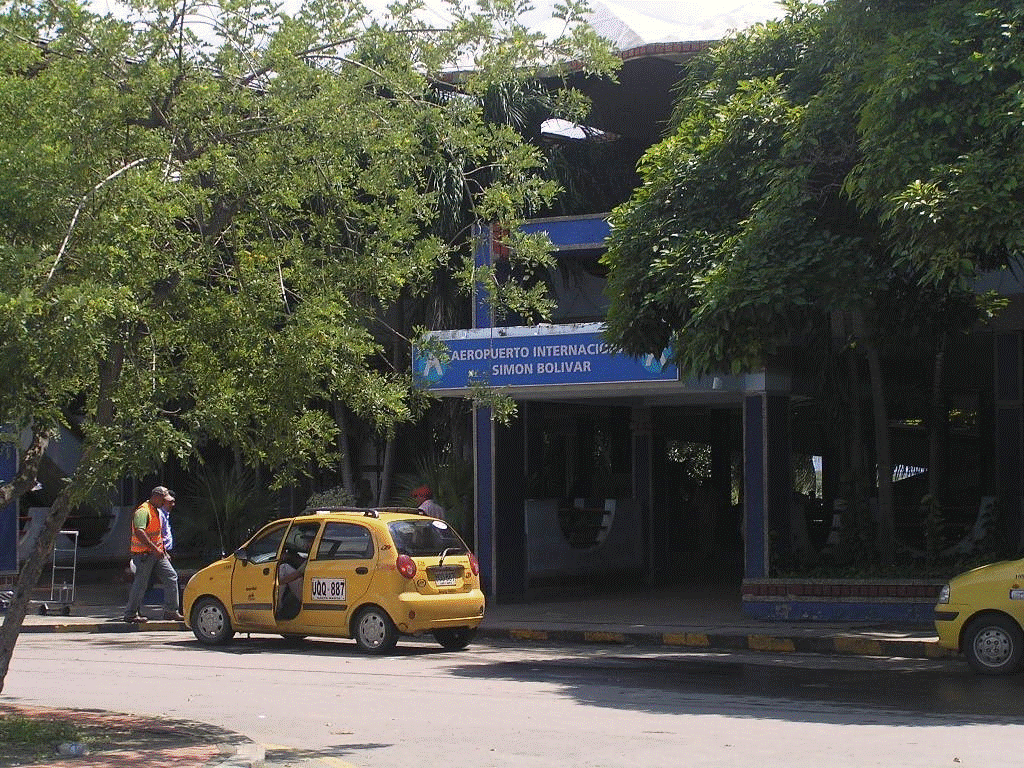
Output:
x=944 y=594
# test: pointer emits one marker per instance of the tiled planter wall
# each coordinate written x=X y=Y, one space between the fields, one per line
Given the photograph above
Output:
x=888 y=600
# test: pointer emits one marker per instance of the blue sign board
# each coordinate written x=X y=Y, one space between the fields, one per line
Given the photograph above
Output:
x=512 y=360
x=8 y=514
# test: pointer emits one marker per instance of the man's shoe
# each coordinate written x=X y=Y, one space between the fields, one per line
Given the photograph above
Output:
x=168 y=616
x=138 y=618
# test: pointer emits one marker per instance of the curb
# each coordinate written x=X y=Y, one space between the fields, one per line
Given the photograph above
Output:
x=248 y=754
x=105 y=627
x=834 y=645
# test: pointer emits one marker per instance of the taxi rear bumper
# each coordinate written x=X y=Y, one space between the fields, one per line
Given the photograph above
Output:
x=423 y=613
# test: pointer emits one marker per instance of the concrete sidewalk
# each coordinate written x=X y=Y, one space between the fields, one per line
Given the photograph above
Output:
x=705 y=617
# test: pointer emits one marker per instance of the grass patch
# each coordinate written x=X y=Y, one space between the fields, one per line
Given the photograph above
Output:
x=23 y=730
x=23 y=738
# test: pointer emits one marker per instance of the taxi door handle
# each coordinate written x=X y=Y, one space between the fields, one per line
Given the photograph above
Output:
x=362 y=571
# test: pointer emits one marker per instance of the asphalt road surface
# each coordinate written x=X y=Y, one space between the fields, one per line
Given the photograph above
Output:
x=321 y=704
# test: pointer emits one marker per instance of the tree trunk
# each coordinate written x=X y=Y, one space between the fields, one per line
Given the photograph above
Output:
x=85 y=475
x=387 y=472
x=28 y=467
x=885 y=532
x=937 y=427
x=341 y=419
x=398 y=363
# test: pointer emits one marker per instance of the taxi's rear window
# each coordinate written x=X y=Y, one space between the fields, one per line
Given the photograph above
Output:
x=421 y=538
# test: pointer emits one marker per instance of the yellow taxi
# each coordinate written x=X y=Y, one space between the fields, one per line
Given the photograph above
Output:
x=367 y=574
x=981 y=614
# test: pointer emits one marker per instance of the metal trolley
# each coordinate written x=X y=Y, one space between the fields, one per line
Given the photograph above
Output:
x=62 y=574
x=62 y=577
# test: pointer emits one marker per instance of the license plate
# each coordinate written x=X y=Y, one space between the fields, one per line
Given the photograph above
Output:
x=445 y=581
x=327 y=589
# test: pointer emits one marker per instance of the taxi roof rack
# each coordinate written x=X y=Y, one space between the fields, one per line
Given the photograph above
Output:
x=364 y=511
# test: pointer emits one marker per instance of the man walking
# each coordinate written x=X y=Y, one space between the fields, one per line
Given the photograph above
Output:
x=149 y=556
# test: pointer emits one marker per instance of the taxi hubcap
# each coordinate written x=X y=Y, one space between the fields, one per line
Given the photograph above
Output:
x=210 y=621
x=372 y=630
x=993 y=646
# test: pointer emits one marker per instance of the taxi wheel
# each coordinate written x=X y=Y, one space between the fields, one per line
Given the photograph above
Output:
x=210 y=622
x=994 y=645
x=454 y=639
x=375 y=632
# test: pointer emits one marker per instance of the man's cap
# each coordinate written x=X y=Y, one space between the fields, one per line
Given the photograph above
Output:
x=161 y=490
x=423 y=492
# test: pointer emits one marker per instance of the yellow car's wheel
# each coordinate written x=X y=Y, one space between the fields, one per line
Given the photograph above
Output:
x=454 y=639
x=994 y=644
x=210 y=622
x=374 y=631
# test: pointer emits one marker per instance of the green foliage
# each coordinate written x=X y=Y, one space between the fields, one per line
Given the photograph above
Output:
x=225 y=504
x=337 y=496
x=451 y=481
x=940 y=127
x=852 y=157
x=208 y=211
x=748 y=173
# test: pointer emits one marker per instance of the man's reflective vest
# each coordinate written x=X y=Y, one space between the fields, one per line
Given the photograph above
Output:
x=152 y=530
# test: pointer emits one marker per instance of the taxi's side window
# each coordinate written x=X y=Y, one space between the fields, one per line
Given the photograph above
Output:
x=345 y=541
x=264 y=547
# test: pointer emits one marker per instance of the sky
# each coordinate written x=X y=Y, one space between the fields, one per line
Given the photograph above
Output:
x=628 y=23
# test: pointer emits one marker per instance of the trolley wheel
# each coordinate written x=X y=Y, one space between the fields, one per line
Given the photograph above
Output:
x=66 y=610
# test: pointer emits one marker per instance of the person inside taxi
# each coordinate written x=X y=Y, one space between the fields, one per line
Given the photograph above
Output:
x=290 y=571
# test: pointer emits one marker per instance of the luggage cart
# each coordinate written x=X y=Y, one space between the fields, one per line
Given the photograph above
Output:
x=62 y=575
x=62 y=578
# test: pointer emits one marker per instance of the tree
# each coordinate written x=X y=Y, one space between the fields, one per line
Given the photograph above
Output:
x=941 y=142
x=207 y=210
x=737 y=247
x=758 y=231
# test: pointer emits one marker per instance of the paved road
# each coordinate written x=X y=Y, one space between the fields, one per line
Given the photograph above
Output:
x=323 y=705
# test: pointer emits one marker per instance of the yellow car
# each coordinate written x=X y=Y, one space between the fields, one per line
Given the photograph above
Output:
x=981 y=614
x=368 y=574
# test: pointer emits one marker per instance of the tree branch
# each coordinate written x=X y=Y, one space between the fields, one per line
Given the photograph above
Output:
x=81 y=205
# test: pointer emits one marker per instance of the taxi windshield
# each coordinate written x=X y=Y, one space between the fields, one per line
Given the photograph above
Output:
x=421 y=538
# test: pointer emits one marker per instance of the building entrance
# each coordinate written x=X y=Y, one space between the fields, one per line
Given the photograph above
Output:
x=696 y=495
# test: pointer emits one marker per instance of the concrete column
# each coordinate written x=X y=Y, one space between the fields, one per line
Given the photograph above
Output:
x=8 y=514
x=640 y=428
x=767 y=481
x=483 y=485
x=510 y=510
x=1009 y=432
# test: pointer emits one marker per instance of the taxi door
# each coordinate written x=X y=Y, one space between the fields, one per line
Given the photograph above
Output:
x=254 y=579
x=338 y=576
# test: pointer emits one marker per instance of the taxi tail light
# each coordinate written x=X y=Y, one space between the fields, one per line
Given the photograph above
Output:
x=474 y=564
x=406 y=566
